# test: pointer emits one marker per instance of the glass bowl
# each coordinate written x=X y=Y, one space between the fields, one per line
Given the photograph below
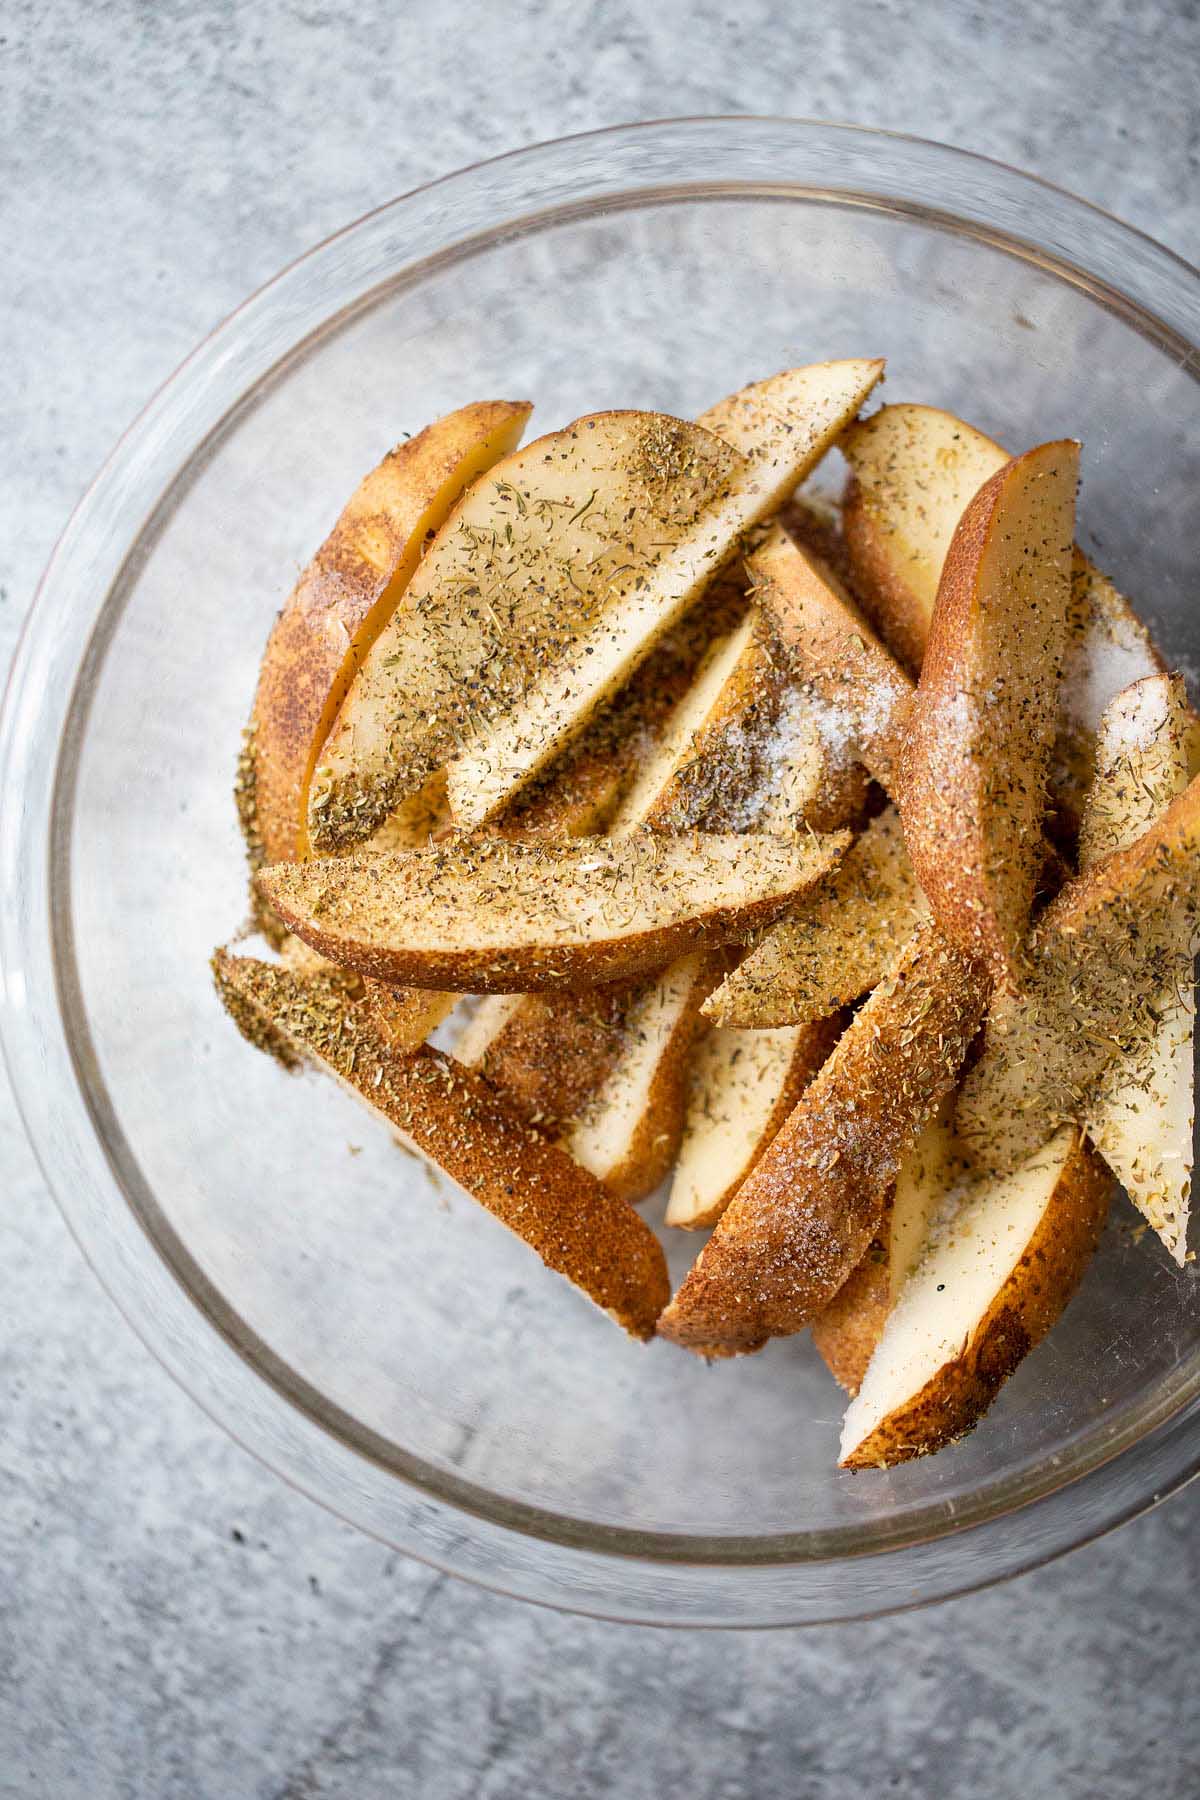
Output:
x=368 y=1332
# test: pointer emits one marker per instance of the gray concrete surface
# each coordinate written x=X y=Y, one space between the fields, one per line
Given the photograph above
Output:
x=173 y=1621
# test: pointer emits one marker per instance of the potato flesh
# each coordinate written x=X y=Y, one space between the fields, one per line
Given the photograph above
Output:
x=1142 y=1116
x=738 y=1079
x=781 y=429
x=551 y=540
x=835 y=945
x=602 y=1138
x=987 y=1226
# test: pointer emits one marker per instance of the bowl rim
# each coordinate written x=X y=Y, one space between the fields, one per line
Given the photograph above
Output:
x=652 y=1578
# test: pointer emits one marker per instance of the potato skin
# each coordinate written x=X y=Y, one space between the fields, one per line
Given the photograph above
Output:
x=975 y=764
x=846 y=1332
x=352 y=909
x=454 y=1116
x=346 y=592
x=1030 y=1302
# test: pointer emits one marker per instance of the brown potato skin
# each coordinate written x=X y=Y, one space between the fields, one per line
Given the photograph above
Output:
x=556 y=1049
x=314 y=646
x=1030 y=1302
x=460 y=1122
x=974 y=812
x=803 y=1221
x=846 y=1332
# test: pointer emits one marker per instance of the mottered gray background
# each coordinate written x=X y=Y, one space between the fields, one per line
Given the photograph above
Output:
x=174 y=1622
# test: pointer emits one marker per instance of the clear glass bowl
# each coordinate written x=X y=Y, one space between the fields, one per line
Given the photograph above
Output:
x=373 y=1336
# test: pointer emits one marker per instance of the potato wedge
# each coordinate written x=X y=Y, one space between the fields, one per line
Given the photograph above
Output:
x=450 y=1115
x=628 y=1129
x=977 y=754
x=345 y=598
x=499 y=915
x=779 y=430
x=1142 y=1116
x=913 y=472
x=1141 y=765
x=846 y=1332
x=798 y=1227
x=553 y=539
x=835 y=945
x=746 y=749
x=549 y=1052
x=1100 y=957
x=866 y=695
x=742 y=1086
x=988 y=1287
x=603 y=1071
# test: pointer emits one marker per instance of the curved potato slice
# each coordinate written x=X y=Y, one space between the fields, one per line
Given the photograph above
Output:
x=453 y=1117
x=1100 y=957
x=1142 y=1116
x=741 y=1089
x=801 y=1223
x=990 y=1284
x=628 y=1128
x=981 y=732
x=846 y=1332
x=345 y=598
x=866 y=695
x=835 y=945
x=497 y=915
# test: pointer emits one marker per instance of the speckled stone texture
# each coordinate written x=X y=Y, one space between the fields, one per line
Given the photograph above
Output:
x=174 y=1623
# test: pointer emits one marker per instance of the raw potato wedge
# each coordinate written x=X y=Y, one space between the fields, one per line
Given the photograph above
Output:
x=552 y=541
x=1141 y=763
x=1142 y=1116
x=774 y=433
x=866 y=694
x=628 y=1130
x=836 y=945
x=913 y=472
x=580 y=791
x=747 y=750
x=798 y=1227
x=452 y=1116
x=549 y=1052
x=1100 y=956
x=741 y=1088
x=345 y=598
x=603 y=1070
x=992 y=1282
x=499 y=915
x=977 y=755
x=846 y=1333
